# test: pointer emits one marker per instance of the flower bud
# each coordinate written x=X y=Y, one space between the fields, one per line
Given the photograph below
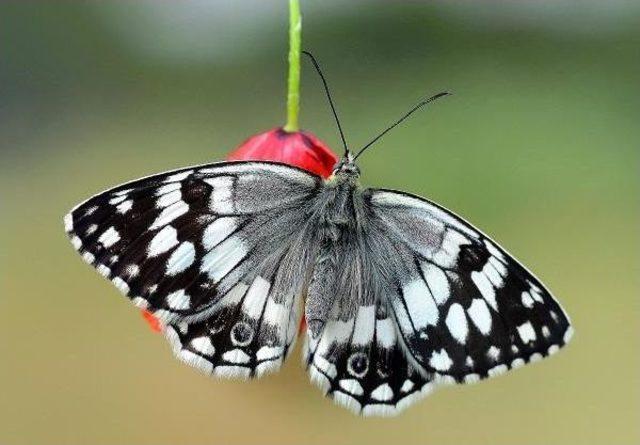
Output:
x=300 y=149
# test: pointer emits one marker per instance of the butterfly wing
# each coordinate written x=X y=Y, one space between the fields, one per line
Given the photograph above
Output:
x=464 y=308
x=359 y=362
x=214 y=251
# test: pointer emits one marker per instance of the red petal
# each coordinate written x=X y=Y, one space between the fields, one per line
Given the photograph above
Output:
x=151 y=319
x=301 y=149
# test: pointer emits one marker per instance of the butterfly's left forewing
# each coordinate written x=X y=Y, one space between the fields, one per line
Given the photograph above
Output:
x=206 y=250
x=464 y=308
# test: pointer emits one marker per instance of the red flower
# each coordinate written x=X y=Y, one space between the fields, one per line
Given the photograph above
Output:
x=299 y=148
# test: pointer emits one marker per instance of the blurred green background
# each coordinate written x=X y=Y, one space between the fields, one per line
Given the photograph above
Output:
x=539 y=147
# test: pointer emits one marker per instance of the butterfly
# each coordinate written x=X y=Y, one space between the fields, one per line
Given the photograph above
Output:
x=399 y=294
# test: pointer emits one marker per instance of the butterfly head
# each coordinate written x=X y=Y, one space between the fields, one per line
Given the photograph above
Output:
x=346 y=168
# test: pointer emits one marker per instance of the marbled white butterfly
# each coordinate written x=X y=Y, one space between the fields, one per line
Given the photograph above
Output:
x=399 y=294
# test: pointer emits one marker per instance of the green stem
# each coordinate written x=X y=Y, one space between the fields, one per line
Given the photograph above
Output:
x=293 y=92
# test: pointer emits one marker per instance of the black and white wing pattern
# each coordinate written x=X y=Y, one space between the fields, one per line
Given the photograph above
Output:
x=360 y=363
x=208 y=251
x=464 y=308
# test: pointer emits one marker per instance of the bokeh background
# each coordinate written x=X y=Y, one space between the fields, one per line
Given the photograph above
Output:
x=539 y=147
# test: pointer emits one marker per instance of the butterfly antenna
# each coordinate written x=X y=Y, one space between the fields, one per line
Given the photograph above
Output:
x=406 y=115
x=333 y=108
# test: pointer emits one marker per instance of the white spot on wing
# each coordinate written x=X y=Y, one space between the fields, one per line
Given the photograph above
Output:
x=203 y=345
x=269 y=353
x=567 y=335
x=335 y=331
x=480 y=315
x=440 y=360
x=76 y=242
x=276 y=314
x=493 y=353
x=218 y=231
x=325 y=366
x=221 y=200
x=196 y=361
x=117 y=199
x=68 y=222
x=163 y=241
x=497 y=370
x=178 y=300
x=382 y=393
x=169 y=198
x=420 y=304
x=437 y=281
x=526 y=332
x=365 y=325
x=109 y=237
x=319 y=379
x=351 y=386
x=232 y=372
x=527 y=301
x=456 y=322
x=254 y=301
x=236 y=356
x=178 y=176
x=385 y=333
x=181 y=259
x=169 y=214
x=494 y=250
x=221 y=260
x=121 y=285
x=493 y=275
x=347 y=401
x=119 y=193
x=379 y=409
x=500 y=268
x=124 y=207
x=485 y=287
x=132 y=270
x=168 y=188
x=103 y=270
x=407 y=386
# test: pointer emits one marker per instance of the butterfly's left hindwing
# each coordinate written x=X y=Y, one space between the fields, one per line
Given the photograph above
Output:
x=212 y=251
x=464 y=308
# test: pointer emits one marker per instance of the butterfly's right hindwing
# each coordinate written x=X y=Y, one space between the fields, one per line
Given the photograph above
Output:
x=360 y=363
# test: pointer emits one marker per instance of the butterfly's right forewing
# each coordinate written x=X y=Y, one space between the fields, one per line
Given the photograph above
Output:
x=464 y=308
